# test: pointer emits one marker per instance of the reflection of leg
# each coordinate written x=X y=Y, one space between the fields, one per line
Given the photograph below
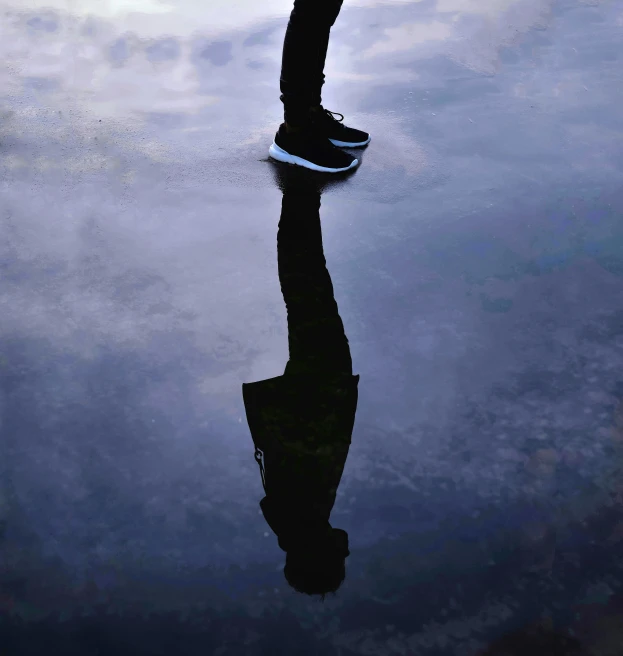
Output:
x=315 y=330
x=304 y=54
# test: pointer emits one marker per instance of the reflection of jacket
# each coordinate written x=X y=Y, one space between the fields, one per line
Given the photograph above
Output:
x=303 y=425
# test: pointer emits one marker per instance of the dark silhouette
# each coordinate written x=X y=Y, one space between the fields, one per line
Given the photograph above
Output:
x=304 y=54
x=311 y=136
x=302 y=422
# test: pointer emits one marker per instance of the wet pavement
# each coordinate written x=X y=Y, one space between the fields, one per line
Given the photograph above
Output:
x=476 y=258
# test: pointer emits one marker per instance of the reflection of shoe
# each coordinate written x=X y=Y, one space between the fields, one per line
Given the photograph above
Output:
x=338 y=133
x=312 y=151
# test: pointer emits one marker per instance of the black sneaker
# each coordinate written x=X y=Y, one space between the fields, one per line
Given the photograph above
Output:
x=310 y=150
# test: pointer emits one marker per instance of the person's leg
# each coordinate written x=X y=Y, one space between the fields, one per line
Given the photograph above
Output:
x=304 y=53
x=336 y=5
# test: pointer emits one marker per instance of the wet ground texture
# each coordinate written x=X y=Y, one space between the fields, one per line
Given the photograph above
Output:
x=476 y=258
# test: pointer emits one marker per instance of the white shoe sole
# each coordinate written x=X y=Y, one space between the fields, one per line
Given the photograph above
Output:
x=281 y=156
x=345 y=144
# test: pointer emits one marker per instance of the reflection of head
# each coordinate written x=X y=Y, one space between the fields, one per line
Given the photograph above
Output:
x=320 y=568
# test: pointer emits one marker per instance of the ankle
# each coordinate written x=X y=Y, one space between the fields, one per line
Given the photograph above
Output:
x=293 y=128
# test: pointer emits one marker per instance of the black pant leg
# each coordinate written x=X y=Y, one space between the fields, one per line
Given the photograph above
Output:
x=304 y=54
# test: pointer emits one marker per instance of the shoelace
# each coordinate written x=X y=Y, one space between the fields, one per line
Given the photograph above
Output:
x=329 y=114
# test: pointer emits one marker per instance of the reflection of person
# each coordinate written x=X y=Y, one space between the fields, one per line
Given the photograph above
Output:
x=310 y=134
x=302 y=422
